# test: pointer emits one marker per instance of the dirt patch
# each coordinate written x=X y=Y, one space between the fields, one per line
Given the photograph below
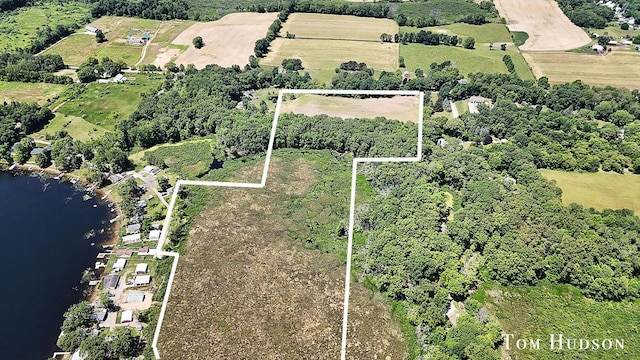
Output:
x=245 y=290
x=164 y=56
x=403 y=108
x=228 y=41
x=548 y=28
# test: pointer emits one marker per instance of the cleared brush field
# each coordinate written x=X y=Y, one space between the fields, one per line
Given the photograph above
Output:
x=245 y=288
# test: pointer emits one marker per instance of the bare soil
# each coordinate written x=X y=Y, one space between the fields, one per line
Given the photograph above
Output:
x=228 y=41
x=548 y=28
x=402 y=108
x=245 y=290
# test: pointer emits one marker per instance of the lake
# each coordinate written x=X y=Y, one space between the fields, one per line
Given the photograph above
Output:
x=44 y=250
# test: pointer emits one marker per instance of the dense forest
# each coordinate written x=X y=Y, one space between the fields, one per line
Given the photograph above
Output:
x=29 y=68
x=586 y=13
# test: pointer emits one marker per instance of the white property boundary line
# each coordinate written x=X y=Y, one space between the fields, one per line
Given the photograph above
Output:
x=165 y=229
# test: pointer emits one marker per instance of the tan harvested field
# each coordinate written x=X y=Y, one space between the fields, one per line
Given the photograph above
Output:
x=228 y=41
x=403 y=108
x=616 y=68
x=245 y=290
x=338 y=27
x=322 y=42
x=548 y=28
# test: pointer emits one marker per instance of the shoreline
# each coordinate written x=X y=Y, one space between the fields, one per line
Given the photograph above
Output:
x=81 y=184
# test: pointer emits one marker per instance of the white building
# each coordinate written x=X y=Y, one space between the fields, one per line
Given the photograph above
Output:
x=120 y=264
x=142 y=280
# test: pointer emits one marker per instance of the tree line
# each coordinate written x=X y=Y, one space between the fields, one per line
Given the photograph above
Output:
x=586 y=13
x=29 y=68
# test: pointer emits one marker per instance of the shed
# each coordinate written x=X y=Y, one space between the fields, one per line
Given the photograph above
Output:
x=133 y=228
x=111 y=281
x=141 y=204
x=146 y=37
x=154 y=234
x=131 y=238
x=120 y=264
x=143 y=251
x=127 y=316
x=135 y=298
x=142 y=280
x=119 y=78
x=91 y=29
x=141 y=269
x=598 y=48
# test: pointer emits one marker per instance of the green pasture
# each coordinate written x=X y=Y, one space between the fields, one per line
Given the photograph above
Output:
x=480 y=59
x=188 y=159
x=105 y=104
x=601 y=190
x=487 y=33
x=77 y=127
x=19 y=27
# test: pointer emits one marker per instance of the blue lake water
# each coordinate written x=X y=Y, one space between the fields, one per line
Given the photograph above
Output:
x=43 y=251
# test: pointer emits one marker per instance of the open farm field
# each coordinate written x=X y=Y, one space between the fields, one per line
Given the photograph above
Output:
x=618 y=68
x=77 y=127
x=228 y=41
x=29 y=92
x=599 y=190
x=441 y=10
x=20 y=26
x=337 y=27
x=104 y=104
x=246 y=288
x=487 y=33
x=548 y=27
x=80 y=46
x=403 y=108
x=324 y=41
x=537 y=312
x=480 y=59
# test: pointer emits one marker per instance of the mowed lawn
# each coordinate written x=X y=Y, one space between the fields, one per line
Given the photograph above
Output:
x=79 y=47
x=322 y=42
x=480 y=59
x=599 y=190
x=487 y=33
x=29 y=92
x=103 y=105
x=20 y=26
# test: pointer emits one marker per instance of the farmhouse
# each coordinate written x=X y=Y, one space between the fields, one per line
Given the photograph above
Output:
x=111 y=281
x=127 y=317
x=142 y=280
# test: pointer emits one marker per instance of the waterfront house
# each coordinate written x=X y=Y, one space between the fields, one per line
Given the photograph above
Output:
x=131 y=238
x=133 y=228
x=99 y=316
x=119 y=265
x=111 y=281
x=143 y=251
x=124 y=253
x=142 y=280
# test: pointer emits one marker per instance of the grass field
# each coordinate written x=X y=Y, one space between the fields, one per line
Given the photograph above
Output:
x=104 y=104
x=20 y=26
x=29 y=92
x=618 y=68
x=80 y=46
x=77 y=127
x=442 y=10
x=614 y=30
x=537 y=312
x=322 y=47
x=271 y=298
x=403 y=108
x=188 y=159
x=480 y=59
x=487 y=33
x=598 y=190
